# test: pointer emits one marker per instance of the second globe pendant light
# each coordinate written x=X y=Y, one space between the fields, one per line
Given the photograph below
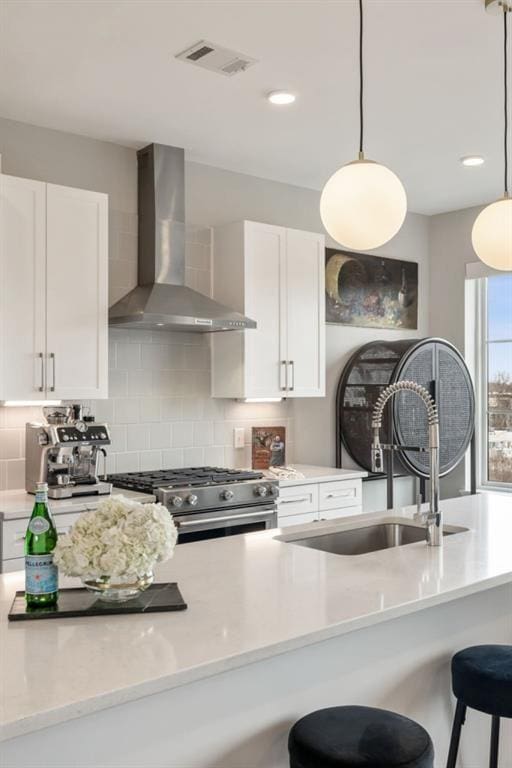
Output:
x=363 y=204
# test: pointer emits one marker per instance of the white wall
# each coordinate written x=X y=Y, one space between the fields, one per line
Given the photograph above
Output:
x=213 y=197
x=450 y=251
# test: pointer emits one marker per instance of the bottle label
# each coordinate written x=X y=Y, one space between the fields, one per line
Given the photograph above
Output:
x=41 y=575
x=42 y=496
x=38 y=525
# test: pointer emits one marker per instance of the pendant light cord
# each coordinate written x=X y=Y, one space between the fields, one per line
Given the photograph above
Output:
x=361 y=83
x=505 y=47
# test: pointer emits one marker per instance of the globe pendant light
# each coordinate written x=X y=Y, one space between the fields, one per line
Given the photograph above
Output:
x=492 y=230
x=363 y=204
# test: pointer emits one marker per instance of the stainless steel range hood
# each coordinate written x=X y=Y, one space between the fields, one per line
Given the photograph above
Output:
x=161 y=300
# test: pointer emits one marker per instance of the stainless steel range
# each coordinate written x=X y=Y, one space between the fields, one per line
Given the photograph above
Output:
x=209 y=502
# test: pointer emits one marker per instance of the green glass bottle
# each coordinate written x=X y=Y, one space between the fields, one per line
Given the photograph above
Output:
x=41 y=577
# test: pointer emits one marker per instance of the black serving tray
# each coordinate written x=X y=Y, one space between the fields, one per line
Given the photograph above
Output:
x=80 y=602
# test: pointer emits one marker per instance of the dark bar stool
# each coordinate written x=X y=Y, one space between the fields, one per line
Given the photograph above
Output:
x=362 y=737
x=482 y=680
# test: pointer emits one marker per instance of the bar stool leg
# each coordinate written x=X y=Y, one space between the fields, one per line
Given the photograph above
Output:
x=458 y=722
x=495 y=738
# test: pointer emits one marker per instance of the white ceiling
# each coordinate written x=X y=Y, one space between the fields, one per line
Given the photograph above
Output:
x=106 y=68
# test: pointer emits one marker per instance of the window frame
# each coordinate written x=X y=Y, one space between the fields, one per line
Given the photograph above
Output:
x=481 y=359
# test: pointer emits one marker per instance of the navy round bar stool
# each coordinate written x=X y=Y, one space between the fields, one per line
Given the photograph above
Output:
x=359 y=737
x=481 y=680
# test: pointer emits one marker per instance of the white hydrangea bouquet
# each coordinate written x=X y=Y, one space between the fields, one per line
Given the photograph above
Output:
x=115 y=547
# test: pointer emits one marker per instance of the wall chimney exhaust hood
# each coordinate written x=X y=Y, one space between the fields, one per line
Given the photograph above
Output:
x=161 y=300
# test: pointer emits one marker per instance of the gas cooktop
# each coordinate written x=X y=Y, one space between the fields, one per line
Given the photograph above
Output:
x=190 y=477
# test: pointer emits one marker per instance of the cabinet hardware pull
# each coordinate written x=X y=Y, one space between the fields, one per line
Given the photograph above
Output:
x=339 y=494
x=293 y=500
x=283 y=362
x=292 y=367
x=20 y=537
x=41 y=358
x=235 y=519
x=52 y=358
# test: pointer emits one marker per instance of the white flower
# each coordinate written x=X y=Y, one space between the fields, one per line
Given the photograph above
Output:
x=121 y=538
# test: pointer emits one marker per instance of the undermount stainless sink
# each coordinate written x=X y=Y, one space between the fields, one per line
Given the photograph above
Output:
x=370 y=538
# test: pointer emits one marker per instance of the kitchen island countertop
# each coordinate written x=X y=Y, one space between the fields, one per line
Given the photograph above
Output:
x=246 y=596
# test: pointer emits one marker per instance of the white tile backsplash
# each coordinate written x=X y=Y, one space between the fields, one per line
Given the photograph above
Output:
x=138 y=437
x=183 y=434
x=159 y=408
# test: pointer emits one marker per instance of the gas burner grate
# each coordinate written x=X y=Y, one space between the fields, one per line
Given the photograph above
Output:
x=189 y=477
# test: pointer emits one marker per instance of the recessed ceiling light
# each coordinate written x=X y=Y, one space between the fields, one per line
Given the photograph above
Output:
x=472 y=160
x=281 y=97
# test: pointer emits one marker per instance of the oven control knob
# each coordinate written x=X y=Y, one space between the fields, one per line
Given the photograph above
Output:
x=64 y=437
x=227 y=495
x=274 y=491
x=260 y=490
x=176 y=501
x=192 y=499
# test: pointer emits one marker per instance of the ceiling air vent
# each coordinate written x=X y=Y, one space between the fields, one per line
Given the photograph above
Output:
x=217 y=59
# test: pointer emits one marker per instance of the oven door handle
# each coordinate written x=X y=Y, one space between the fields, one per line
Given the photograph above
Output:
x=235 y=519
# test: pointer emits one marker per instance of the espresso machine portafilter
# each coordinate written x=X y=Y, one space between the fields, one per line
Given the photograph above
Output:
x=66 y=454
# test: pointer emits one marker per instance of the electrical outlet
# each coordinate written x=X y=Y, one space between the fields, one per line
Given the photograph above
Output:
x=238 y=437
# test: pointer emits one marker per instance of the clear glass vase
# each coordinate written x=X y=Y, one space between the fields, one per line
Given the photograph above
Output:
x=118 y=590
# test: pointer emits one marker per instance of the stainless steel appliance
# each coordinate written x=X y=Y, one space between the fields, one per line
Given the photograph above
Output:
x=161 y=298
x=66 y=454
x=209 y=502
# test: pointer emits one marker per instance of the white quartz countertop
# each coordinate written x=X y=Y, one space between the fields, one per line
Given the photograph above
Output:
x=19 y=504
x=250 y=597
x=314 y=474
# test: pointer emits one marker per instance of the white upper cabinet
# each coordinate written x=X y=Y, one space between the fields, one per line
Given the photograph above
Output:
x=305 y=312
x=77 y=291
x=275 y=276
x=54 y=305
x=22 y=289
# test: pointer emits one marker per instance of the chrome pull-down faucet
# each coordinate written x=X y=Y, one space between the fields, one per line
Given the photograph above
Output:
x=432 y=519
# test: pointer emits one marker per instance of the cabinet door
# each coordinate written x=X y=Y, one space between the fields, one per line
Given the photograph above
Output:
x=22 y=288
x=306 y=517
x=339 y=494
x=305 y=309
x=297 y=499
x=264 y=289
x=77 y=298
x=334 y=514
x=13 y=534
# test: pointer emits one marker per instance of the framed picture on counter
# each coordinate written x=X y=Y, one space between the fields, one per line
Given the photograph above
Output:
x=268 y=447
x=370 y=291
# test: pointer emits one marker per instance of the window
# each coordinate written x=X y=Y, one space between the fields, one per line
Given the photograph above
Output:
x=494 y=384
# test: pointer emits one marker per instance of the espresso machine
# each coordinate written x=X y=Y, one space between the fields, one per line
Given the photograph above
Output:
x=65 y=452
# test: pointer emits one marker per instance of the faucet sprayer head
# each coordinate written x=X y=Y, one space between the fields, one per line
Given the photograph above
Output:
x=407 y=386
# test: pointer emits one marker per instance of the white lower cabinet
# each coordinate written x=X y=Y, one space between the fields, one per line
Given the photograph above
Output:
x=13 y=539
x=286 y=520
x=313 y=502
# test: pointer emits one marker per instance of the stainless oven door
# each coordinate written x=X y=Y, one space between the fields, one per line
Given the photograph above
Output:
x=197 y=526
